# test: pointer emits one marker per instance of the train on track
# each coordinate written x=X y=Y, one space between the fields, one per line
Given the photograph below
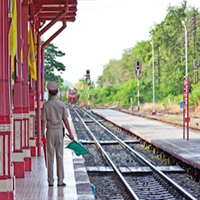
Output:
x=72 y=96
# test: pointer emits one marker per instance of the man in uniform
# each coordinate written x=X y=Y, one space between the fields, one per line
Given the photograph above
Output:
x=54 y=112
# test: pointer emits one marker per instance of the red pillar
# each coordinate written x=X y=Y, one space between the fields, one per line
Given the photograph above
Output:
x=6 y=175
x=25 y=94
x=32 y=141
x=18 y=155
x=42 y=74
x=38 y=96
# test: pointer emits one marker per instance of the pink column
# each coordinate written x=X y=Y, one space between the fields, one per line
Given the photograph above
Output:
x=42 y=75
x=25 y=94
x=38 y=96
x=32 y=140
x=6 y=168
x=18 y=155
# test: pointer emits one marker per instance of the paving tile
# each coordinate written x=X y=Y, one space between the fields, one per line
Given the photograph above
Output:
x=35 y=187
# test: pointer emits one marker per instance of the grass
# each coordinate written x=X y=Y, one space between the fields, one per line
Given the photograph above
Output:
x=173 y=108
x=172 y=119
x=165 y=160
x=147 y=149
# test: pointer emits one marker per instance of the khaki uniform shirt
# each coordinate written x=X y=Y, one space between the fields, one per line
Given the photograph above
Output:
x=54 y=111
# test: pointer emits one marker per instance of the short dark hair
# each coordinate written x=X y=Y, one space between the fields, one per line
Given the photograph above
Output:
x=53 y=92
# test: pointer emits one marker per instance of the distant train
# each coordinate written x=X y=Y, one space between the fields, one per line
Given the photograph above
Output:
x=72 y=96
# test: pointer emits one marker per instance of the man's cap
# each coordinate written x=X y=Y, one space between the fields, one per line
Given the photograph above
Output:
x=52 y=85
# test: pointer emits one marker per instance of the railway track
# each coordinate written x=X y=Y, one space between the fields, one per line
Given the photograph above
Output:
x=122 y=172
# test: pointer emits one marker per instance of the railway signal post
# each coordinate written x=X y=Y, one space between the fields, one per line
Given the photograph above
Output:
x=153 y=112
x=186 y=118
x=131 y=104
x=88 y=80
x=138 y=71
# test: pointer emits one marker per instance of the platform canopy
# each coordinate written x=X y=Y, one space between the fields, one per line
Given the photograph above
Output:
x=41 y=11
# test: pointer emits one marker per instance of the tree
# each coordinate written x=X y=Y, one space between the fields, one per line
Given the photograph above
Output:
x=50 y=64
x=99 y=81
x=118 y=79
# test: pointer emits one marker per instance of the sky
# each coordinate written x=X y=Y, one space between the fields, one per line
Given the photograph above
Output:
x=103 y=29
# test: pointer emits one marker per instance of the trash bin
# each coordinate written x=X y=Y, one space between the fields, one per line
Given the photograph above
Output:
x=181 y=104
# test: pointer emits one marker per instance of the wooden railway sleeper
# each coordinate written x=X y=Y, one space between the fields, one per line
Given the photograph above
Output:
x=191 y=170
x=197 y=175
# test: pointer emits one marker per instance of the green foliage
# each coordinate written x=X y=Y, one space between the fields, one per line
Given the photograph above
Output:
x=118 y=80
x=63 y=92
x=50 y=63
x=194 y=97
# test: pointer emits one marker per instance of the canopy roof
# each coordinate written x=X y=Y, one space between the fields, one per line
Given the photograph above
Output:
x=41 y=11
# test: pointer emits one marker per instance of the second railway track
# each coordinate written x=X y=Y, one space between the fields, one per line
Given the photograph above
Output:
x=120 y=171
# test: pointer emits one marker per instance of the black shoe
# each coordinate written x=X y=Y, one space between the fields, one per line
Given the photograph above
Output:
x=62 y=185
x=50 y=185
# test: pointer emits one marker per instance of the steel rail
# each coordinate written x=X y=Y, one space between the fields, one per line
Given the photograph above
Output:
x=166 y=178
x=110 y=161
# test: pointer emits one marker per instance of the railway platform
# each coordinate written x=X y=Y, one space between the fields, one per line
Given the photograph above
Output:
x=161 y=135
x=35 y=186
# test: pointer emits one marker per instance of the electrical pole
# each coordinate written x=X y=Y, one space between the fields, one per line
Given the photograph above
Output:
x=153 y=112
x=195 y=46
x=158 y=67
x=186 y=87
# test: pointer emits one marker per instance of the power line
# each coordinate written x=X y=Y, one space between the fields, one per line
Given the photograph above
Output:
x=179 y=39
x=195 y=16
x=171 y=61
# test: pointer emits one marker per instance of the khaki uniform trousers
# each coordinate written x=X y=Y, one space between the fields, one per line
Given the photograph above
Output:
x=55 y=145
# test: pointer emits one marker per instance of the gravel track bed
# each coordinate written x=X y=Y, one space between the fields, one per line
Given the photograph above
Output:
x=150 y=156
x=186 y=181
x=118 y=132
x=93 y=115
x=94 y=158
x=108 y=186
x=121 y=157
x=82 y=114
x=150 y=187
x=75 y=117
x=99 y=132
x=81 y=132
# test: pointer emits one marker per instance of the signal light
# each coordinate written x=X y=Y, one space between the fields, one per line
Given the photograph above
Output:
x=87 y=74
x=137 y=66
